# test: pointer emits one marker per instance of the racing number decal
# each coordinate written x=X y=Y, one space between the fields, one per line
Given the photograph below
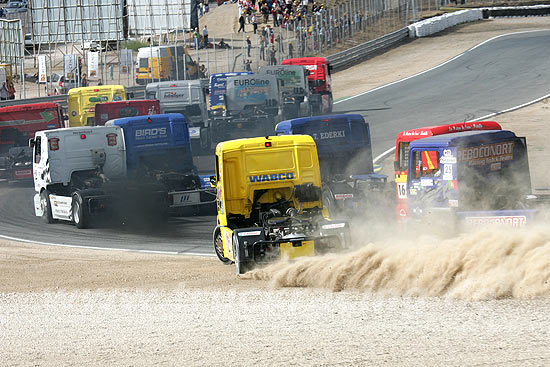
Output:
x=447 y=172
x=402 y=190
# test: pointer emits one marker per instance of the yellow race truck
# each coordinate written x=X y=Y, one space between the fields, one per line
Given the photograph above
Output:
x=269 y=202
x=81 y=102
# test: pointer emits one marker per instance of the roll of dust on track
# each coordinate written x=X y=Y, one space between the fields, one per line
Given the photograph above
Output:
x=488 y=264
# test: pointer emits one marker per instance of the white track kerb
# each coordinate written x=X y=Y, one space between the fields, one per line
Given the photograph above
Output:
x=376 y=160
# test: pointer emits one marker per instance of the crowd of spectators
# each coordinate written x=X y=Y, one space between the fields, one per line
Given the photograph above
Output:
x=281 y=12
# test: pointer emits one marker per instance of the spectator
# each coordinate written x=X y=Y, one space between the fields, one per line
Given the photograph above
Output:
x=254 y=23
x=3 y=92
x=202 y=71
x=265 y=12
x=205 y=36
x=279 y=43
x=84 y=81
x=247 y=65
x=272 y=58
x=99 y=82
x=11 y=91
x=290 y=50
x=197 y=36
x=241 y=22
x=262 y=48
x=248 y=45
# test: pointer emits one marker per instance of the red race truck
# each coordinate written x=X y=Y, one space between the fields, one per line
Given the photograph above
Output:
x=319 y=81
x=401 y=161
x=17 y=125
x=114 y=110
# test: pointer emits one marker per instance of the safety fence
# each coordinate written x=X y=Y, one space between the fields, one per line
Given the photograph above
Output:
x=337 y=34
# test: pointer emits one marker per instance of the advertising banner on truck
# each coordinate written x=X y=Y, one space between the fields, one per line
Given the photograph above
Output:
x=487 y=154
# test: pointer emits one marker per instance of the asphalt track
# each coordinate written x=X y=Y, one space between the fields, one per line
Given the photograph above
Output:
x=494 y=76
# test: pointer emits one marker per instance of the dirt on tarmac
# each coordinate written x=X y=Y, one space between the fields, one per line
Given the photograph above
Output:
x=67 y=306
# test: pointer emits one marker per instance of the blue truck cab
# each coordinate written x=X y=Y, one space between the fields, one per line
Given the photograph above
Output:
x=158 y=151
x=345 y=158
x=475 y=178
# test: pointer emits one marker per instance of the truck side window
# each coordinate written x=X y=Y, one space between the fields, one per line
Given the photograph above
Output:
x=417 y=165
x=37 y=149
x=429 y=163
x=403 y=155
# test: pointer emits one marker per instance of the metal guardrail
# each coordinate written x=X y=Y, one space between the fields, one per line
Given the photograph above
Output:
x=137 y=92
x=516 y=12
x=360 y=52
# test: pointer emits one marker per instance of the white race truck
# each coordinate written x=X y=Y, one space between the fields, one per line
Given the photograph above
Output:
x=70 y=168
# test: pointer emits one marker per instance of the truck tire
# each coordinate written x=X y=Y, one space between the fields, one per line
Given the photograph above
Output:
x=80 y=214
x=47 y=216
x=241 y=266
x=218 y=247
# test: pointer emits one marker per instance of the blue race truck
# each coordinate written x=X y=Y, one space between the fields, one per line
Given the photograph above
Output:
x=473 y=178
x=158 y=151
x=345 y=158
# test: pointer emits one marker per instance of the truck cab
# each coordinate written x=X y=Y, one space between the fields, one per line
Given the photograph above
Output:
x=187 y=97
x=115 y=110
x=319 y=81
x=269 y=202
x=162 y=63
x=217 y=90
x=252 y=107
x=293 y=79
x=476 y=177
x=18 y=124
x=70 y=168
x=401 y=160
x=82 y=101
x=345 y=158
x=158 y=151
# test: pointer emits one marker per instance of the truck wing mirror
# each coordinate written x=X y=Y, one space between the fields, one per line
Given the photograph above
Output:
x=213 y=181
x=31 y=143
x=396 y=165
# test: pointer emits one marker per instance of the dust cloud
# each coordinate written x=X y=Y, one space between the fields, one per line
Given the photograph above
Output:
x=493 y=263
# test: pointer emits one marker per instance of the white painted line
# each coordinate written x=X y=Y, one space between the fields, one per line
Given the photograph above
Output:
x=107 y=248
x=383 y=155
x=437 y=66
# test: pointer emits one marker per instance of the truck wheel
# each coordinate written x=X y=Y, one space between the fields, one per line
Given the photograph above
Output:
x=80 y=216
x=241 y=266
x=218 y=247
x=47 y=216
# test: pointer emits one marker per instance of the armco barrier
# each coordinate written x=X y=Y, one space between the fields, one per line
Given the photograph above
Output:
x=360 y=52
x=536 y=10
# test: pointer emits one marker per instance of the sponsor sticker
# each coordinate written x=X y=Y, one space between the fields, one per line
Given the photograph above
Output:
x=333 y=225
x=343 y=196
x=249 y=233
x=510 y=220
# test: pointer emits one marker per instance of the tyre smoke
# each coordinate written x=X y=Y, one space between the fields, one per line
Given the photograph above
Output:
x=494 y=263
